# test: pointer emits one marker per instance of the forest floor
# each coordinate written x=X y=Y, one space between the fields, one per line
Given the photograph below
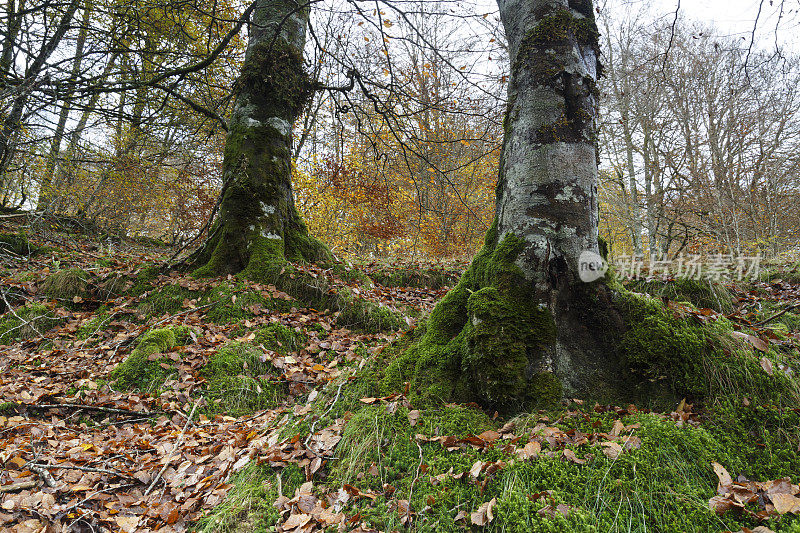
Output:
x=131 y=400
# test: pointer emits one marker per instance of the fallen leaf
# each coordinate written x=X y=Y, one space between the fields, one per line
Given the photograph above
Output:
x=766 y=364
x=786 y=503
x=485 y=513
x=612 y=450
x=725 y=480
x=128 y=524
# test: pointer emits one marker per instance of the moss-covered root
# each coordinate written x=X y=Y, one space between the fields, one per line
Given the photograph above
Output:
x=141 y=370
x=701 y=293
x=67 y=284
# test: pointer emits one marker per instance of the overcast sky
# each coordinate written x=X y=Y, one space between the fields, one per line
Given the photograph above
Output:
x=732 y=17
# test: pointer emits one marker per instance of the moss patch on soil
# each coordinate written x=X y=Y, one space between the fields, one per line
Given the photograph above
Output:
x=701 y=293
x=27 y=322
x=143 y=369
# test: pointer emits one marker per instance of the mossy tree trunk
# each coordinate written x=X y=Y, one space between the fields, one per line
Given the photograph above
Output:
x=521 y=328
x=258 y=227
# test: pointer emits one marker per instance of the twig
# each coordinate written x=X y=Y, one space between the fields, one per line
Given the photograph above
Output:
x=90 y=497
x=16 y=487
x=171 y=452
x=79 y=406
x=81 y=468
x=311 y=432
x=24 y=322
x=776 y=315
x=416 y=477
x=43 y=473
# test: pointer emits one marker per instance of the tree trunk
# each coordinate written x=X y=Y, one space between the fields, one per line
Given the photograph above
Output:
x=521 y=329
x=258 y=227
x=46 y=189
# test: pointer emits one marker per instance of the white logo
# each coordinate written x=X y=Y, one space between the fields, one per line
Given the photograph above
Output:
x=591 y=267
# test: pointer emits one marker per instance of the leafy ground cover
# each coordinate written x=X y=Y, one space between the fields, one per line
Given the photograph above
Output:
x=137 y=400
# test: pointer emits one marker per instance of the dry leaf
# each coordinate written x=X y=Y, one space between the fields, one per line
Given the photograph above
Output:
x=786 y=503
x=128 y=524
x=612 y=450
x=766 y=364
x=724 y=477
x=485 y=513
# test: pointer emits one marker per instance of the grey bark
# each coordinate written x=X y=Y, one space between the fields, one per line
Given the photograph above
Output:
x=548 y=184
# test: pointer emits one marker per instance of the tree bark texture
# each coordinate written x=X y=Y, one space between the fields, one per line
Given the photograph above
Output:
x=521 y=329
x=258 y=226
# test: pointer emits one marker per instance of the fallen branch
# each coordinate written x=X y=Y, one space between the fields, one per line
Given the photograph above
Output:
x=171 y=452
x=16 y=487
x=777 y=315
x=42 y=472
x=81 y=468
x=96 y=408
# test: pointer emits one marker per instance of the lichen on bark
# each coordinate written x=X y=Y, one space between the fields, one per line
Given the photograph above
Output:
x=258 y=228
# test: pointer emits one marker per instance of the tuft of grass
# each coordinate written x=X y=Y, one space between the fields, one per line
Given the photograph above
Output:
x=67 y=284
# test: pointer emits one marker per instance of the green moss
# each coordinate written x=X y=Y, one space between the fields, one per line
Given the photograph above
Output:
x=166 y=300
x=143 y=280
x=143 y=370
x=700 y=293
x=664 y=485
x=240 y=380
x=18 y=244
x=91 y=327
x=375 y=436
x=248 y=505
x=27 y=322
x=275 y=73
x=8 y=408
x=366 y=316
x=67 y=284
x=482 y=339
x=696 y=359
x=279 y=338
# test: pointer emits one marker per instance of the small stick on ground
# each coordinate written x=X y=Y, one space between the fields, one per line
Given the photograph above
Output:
x=99 y=409
x=777 y=315
x=16 y=487
x=172 y=451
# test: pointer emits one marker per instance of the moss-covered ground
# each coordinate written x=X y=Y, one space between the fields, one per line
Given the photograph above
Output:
x=318 y=386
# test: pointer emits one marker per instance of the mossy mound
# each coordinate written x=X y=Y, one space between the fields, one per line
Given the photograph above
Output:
x=699 y=360
x=93 y=326
x=240 y=379
x=142 y=369
x=664 y=485
x=366 y=316
x=27 y=322
x=225 y=303
x=18 y=244
x=67 y=284
x=703 y=293
x=431 y=277
x=280 y=338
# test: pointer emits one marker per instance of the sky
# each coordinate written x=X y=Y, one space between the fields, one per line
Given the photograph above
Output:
x=733 y=17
